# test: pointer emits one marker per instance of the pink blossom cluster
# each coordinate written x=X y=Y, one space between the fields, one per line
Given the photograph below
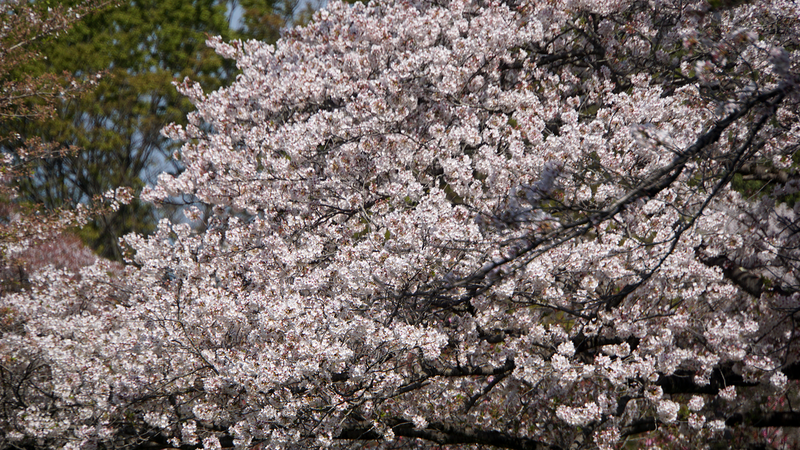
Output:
x=444 y=223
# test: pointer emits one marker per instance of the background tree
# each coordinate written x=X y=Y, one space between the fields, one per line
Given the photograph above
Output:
x=143 y=46
x=263 y=20
x=452 y=224
x=25 y=229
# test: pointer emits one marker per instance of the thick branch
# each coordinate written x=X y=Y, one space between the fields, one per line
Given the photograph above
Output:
x=640 y=426
x=792 y=371
x=474 y=399
x=443 y=434
x=472 y=371
x=431 y=372
x=747 y=280
x=765 y=419
x=682 y=381
x=755 y=419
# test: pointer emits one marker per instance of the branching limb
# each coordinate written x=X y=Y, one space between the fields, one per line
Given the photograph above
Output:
x=443 y=434
x=682 y=381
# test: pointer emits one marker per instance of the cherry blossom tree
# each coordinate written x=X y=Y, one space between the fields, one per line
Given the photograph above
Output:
x=521 y=224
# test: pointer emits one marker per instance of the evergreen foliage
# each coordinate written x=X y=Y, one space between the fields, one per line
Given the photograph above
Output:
x=141 y=47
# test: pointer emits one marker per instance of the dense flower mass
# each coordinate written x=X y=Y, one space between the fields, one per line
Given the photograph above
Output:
x=523 y=224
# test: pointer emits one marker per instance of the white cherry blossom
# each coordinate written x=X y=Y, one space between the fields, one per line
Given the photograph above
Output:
x=437 y=224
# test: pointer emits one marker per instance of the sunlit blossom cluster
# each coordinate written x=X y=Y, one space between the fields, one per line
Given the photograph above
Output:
x=446 y=223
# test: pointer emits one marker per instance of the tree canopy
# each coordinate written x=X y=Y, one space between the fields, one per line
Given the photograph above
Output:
x=515 y=224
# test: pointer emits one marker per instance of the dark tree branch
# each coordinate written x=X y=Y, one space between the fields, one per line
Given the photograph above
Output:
x=756 y=419
x=682 y=381
x=508 y=366
x=587 y=344
x=497 y=335
x=760 y=419
x=474 y=399
x=444 y=434
x=792 y=371
x=640 y=426
x=747 y=280
x=429 y=372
